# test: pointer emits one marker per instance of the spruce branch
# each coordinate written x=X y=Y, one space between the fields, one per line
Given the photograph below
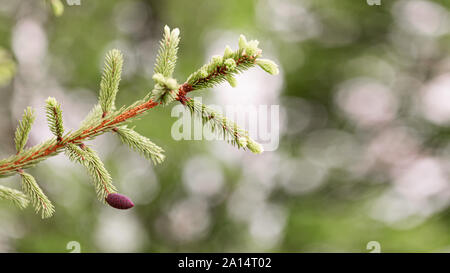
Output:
x=101 y=177
x=224 y=127
x=24 y=128
x=17 y=197
x=109 y=84
x=104 y=117
x=167 y=54
x=75 y=153
x=88 y=158
x=166 y=86
x=224 y=68
x=54 y=117
x=139 y=143
x=36 y=195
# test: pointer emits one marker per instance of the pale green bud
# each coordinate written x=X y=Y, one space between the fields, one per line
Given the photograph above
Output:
x=159 y=78
x=242 y=141
x=228 y=52
x=217 y=60
x=252 y=48
x=167 y=30
x=255 y=147
x=242 y=42
x=51 y=101
x=168 y=82
x=175 y=33
x=171 y=84
x=203 y=72
x=230 y=64
x=268 y=66
x=231 y=80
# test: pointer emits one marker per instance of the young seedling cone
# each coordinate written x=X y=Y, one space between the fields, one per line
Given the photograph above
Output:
x=119 y=201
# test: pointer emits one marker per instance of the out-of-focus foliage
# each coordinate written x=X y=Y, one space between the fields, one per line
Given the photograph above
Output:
x=7 y=67
x=363 y=152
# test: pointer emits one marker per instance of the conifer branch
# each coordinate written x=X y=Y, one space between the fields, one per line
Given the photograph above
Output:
x=167 y=54
x=109 y=84
x=88 y=158
x=101 y=177
x=75 y=153
x=54 y=117
x=224 y=68
x=224 y=127
x=17 y=197
x=105 y=118
x=166 y=86
x=23 y=129
x=36 y=195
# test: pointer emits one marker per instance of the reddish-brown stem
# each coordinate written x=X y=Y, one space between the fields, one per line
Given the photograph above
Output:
x=182 y=91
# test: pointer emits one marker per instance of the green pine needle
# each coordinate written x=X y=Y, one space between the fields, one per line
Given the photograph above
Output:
x=87 y=157
x=222 y=126
x=39 y=200
x=109 y=85
x=23 y=129
x=92 y=116
x=165 y=85
x=226 y=67
x=17 y=197
x=54 y=117
x=268 y=66
x=167 y=54
x=139 y=143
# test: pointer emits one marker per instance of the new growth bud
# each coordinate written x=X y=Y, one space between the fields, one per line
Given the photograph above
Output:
x=252 y=48
x=268 y=66
x=167 y=30
x=203 y=72
x=175 y=33
x=159 y=78
x=242 y=141
x=217 y=60
x=230 y=64
x=228 y=52
x=242 y=42
x=255 y=147
x=170 y=83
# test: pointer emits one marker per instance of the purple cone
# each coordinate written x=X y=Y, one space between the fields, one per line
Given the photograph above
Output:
x=119 y=201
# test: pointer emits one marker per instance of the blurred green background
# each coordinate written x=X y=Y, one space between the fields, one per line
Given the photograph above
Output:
x=363 y=154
